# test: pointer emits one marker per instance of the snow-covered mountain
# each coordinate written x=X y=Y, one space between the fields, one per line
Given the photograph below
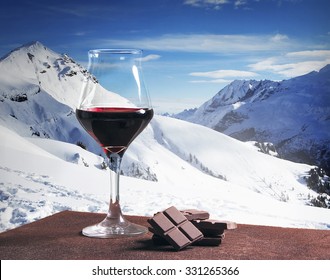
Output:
x=292 y=114
x=39 y=91
x=174 y=162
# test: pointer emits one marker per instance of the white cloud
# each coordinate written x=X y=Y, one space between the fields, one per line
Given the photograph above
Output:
x=218 y=4
x=215 y=81
x=219 y=74
x=323 y=54
x=294 y=64
x=150 y=57
x=239 y=3
x=301 y=68
x=208 y=43
x=81 y=33
x=215 y=4
x=279 y=38
x=205 y=3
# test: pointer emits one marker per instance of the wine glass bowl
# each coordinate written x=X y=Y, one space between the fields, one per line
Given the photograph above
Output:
x=114 y=108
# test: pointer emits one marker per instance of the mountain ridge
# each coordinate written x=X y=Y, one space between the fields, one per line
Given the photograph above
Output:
x=33 y=77
x=292 y=114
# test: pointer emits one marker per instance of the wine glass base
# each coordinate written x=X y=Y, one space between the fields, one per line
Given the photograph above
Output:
x=112 y=229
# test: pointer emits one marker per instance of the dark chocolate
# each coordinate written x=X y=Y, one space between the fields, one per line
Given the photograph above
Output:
x=210 y=241
x=173 y=226
x=195 y=214
x=205 y=241
x=213 y=227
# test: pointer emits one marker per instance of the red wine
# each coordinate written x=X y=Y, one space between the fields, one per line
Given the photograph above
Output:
x=114 y=128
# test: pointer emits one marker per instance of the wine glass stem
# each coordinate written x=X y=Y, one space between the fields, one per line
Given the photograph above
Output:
x=114 y=208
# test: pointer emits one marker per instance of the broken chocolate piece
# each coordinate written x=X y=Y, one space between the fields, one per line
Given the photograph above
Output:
x=213 y=227
x=173 y=226
x=210 y=241
x=195 y=214
x=205 y=241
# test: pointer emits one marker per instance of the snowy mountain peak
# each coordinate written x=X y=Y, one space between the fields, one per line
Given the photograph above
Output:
x=39 y=91
x=292 y=114
x=33 y=46
x=32 y=68
x=242 y=91
x=325 y=69
x=29 y=50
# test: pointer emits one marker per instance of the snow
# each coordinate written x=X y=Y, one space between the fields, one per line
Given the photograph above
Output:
x=291 y=114
x=36 y=183
x=172 y=162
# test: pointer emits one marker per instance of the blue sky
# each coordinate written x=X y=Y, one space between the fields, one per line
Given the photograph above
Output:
x=192 y=48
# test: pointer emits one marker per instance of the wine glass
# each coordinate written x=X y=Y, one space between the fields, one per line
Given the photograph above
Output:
x=114 y=108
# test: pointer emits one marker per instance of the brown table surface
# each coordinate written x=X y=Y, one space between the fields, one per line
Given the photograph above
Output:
x=59 y=237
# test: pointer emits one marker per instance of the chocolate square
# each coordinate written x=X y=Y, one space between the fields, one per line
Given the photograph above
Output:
x=177 y=239
x=174 y=215
x=161 y=223
x=191 y=231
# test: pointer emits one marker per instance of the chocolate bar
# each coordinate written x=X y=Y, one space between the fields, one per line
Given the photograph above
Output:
x=205 y=241
x=213 y=227
x=210 y=240
x=195 y=214
x=178 y=228
x=215 y=224
x=175 y=228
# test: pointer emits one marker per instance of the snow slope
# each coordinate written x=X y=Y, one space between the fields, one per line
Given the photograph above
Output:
x=36 y=183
